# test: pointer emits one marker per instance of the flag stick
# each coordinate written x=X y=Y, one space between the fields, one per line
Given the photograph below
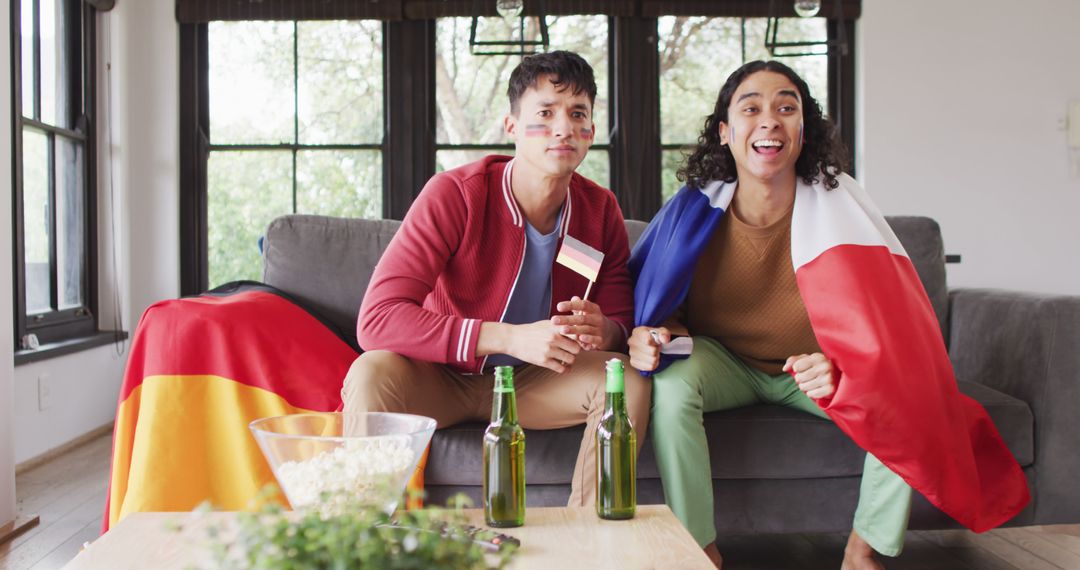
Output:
x=583 y=299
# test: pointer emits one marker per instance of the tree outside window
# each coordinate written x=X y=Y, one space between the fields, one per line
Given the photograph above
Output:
x=296 y=126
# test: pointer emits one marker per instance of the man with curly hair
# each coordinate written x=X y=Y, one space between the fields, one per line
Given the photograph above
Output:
x=792 y=290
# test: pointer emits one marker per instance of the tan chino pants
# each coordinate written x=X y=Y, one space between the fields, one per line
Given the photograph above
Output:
x=382 y=381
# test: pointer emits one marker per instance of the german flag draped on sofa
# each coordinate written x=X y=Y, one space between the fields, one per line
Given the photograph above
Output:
x=201 y=369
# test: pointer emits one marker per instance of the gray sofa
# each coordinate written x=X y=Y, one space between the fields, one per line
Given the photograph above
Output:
x=774 y=469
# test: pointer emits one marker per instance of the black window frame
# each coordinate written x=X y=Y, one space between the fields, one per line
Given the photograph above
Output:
x=409 y=143
x=57 y=328
x=196 y=146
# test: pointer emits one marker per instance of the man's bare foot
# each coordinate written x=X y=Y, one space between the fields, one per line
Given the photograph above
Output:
x=714 y=555
x=858 y=555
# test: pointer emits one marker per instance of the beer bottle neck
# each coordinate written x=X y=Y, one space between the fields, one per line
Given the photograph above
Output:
x=504 y=407
x=615 y=402
x=616 y=388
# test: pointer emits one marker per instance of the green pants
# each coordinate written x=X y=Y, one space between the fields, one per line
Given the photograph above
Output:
x=713 y=379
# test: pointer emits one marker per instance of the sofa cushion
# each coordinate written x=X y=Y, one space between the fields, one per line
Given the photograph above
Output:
x=634 y=229
x=756 y=442
x=760 y=439
x=1012 y=417
x=456 y=456
x=325 y=262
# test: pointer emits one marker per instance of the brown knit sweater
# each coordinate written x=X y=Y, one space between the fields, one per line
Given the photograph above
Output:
x=744 y=295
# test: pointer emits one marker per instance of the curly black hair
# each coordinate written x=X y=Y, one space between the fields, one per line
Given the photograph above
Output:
x=567 y=70
x=822 y=153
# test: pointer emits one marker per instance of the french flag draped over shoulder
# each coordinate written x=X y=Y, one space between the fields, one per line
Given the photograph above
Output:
x=896 y=396
x=663 y=259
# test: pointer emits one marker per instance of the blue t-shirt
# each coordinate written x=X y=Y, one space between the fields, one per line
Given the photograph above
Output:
x=530 y=301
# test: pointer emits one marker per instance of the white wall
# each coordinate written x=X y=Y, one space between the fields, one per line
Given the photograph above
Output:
x=960 y=119
x=140 y=40
x=7 y=324
x=84 y=393
x=146 y=48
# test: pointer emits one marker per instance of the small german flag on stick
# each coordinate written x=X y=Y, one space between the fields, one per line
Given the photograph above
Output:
x=582 y=259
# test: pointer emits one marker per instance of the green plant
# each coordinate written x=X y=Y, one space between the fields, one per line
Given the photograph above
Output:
x=430 y=538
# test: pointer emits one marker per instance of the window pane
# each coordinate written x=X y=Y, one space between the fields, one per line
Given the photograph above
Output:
x=340 y=82
x=447 y=159
x=26 y=9
x=251 y=82
x=60 y=34
x=697 y=54
x=245 y=191
x=814 y=69
x=597 y=167
x=346 y=183
x=471 y=90
x=671 y=161
x=36 y=221
x=70 y=231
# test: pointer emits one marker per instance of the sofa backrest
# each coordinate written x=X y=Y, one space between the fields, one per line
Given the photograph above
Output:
x=327 y=262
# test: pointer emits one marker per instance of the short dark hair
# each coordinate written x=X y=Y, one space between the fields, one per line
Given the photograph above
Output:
x=822 y=154
x=567 y=69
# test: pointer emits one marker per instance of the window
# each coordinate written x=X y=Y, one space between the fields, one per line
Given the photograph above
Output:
x=53 y=171
x=697 y=54
x=295 y=126
x=471 y=90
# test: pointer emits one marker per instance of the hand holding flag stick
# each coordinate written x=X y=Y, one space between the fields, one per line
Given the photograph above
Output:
x=582 y=259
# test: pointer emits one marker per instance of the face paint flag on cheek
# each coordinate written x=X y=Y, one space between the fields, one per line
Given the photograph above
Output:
x=537 y=131
x=587 y=133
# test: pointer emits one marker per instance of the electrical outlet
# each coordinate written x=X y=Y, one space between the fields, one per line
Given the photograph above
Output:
x=44 y=392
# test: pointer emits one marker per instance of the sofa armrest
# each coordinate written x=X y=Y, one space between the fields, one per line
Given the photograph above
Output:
x=1028 y=346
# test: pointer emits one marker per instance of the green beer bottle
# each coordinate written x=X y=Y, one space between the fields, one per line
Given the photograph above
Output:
x=616 y=452
x=504 y=457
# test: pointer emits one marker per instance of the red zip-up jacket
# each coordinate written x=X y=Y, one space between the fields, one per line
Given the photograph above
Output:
x=454 y=261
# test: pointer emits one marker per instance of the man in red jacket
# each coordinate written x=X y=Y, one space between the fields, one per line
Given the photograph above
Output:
x=469 y=281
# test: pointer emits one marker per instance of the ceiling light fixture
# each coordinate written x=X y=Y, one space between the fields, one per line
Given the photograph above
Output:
x=510 y=10
x=805 y=9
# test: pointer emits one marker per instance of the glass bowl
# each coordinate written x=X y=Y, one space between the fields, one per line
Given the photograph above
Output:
x=332 y=460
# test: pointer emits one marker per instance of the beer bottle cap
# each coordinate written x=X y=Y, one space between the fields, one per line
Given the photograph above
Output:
x=615 y=375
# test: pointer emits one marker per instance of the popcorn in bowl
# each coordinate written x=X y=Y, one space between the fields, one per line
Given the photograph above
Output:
x=359 y=471
x=332 y=461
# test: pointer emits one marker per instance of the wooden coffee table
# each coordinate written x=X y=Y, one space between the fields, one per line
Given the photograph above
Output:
x=553 y=537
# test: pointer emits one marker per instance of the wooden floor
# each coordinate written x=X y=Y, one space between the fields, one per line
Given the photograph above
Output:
x=68 y=493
